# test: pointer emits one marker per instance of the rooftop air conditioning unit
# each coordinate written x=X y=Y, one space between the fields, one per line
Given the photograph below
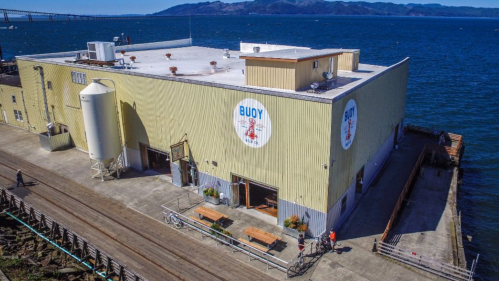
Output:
x=101 y=51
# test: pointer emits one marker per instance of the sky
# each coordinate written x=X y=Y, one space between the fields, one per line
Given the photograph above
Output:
x=113 y=7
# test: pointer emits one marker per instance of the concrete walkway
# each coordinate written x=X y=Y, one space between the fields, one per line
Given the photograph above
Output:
x=368 y=221
x=145 y=193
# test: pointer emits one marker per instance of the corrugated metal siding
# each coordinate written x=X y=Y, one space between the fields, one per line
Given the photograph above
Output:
x=271 y=74
x=56 y=142
x=176 y=177
x=375 y=164
x=62 y=100
x=334 y=216
x=207 y=180
x=349 y=60
x=133 y=158
x=160 y=113
x=6 y=93
x=315 y=219
x=380 y=107
x=306 y=74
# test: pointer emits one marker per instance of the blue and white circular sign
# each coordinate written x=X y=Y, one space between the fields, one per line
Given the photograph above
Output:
x=348 y=124
x=252 y=123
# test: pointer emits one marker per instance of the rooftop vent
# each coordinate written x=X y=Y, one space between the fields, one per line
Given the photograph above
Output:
x=226 y=54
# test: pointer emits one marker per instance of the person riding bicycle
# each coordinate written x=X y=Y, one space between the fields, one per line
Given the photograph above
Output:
x=301 y=242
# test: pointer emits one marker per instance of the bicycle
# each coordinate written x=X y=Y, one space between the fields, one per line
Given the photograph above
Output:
x=176 y=221
x=322 y=244
x=297 y=265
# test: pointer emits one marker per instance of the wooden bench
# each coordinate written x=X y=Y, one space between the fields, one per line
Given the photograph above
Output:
x=211 y=214
x=254 y=245
x=261 y=235
x=200 y=221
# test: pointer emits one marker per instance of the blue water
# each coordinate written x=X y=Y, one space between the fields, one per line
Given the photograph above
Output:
x=452 y=85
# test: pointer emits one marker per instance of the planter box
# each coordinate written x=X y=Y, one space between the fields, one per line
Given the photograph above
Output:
x=210 y=199
x=292 y=232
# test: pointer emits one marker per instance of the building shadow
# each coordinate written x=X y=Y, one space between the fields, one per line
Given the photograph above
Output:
x=378 y=205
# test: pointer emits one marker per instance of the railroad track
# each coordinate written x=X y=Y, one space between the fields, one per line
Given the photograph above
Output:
x=177 y=256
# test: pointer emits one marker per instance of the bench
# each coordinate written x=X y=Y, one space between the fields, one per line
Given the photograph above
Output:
x=211 y=214
x=261 y=235
x=200 y=221
x=254 y=245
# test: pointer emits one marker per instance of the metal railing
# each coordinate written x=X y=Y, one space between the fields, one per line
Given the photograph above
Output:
x=305 y=258
x=65 y=239
x=403 y=194
x=183 y=202
x=426 y=263
x=222 y=239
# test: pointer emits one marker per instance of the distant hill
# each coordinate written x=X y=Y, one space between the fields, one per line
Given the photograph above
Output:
x=321 y=7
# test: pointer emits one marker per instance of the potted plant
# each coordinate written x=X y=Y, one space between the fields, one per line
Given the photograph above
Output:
x=168 y=55
x=173 y=69
x=122 y=53
x=132 y=58
x=211 y=195
x=217 y=227
x=227 y=233
x=293 y=226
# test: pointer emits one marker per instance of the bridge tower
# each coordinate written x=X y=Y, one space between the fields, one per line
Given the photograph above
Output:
x=30 y=18
x=6 y=17
x=50 y=18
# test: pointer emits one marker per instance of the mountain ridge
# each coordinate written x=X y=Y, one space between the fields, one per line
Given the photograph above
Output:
x=322 y=7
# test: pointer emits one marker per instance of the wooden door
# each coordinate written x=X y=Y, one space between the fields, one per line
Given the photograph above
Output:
x=143 y=156
x=185 y=173
x=235 y=192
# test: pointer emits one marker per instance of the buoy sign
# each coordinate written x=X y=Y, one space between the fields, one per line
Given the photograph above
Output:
x=252 y=123
x=348 y=124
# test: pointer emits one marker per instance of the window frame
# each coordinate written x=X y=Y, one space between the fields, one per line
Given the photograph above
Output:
x=18 y=115
x=79 y=77
x=14 y=99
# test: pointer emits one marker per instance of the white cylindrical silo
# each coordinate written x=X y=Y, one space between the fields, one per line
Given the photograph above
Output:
x=101 y=122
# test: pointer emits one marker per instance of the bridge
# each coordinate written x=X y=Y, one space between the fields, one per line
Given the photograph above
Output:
x=69 y=17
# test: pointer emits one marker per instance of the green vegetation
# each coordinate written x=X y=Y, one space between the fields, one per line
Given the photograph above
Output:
x=17 y=269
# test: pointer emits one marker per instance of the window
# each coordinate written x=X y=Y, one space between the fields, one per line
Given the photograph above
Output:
x=343 y=204
x=316 y=64
x=19 y=115
x=79 y=77
x=49 y=85
x=14 y=99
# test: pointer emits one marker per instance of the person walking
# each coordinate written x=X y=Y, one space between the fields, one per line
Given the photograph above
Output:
x=301 y=242
x=19 y=177
x=332 y=239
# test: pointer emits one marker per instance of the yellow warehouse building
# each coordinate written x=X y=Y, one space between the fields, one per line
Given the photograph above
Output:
x=282 y=129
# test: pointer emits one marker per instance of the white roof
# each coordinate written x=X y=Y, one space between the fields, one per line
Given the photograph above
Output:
x=193 y=65
x=295 y=54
